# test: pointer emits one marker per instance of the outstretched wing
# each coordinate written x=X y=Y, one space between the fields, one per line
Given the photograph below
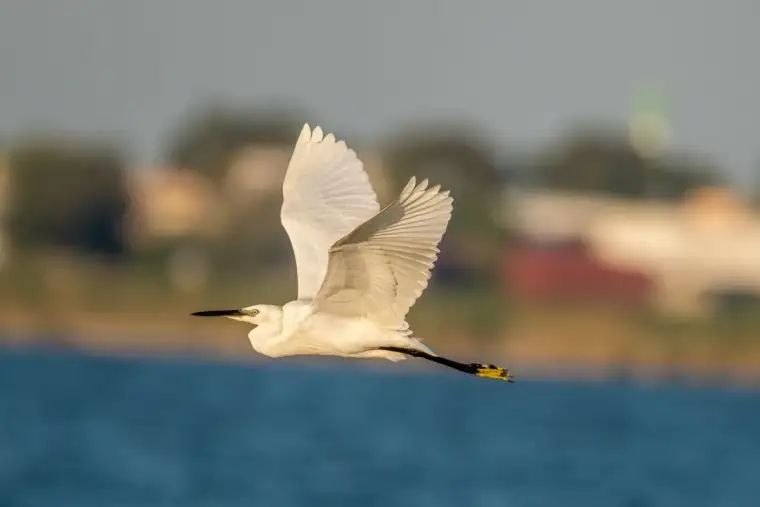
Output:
x=326 y=194
x=381 y=268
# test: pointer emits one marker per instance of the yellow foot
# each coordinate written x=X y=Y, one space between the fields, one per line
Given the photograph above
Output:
x=491 y=371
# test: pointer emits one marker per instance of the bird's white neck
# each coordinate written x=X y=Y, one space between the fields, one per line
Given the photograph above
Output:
x=268 y=331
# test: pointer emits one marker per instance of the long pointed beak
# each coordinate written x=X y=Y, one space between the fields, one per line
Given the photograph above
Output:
x=218 y=313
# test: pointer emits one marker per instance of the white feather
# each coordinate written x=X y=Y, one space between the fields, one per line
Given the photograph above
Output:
x=380 y=269
x=326 y=194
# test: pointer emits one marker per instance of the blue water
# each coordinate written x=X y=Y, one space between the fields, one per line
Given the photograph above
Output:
x=86 y=431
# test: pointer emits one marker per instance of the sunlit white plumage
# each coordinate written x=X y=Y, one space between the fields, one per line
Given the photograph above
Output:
x=360 y=269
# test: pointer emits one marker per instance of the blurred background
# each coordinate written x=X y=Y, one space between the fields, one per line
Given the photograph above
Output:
x=604 y=160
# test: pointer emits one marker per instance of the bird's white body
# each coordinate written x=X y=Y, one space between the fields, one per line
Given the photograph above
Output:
x=297 y=329
x=360 y=268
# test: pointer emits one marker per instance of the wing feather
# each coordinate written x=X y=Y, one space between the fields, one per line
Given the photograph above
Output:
x=326 y=194
x=380 y=269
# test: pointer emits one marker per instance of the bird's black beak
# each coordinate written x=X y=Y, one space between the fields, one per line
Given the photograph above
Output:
x=218 y=313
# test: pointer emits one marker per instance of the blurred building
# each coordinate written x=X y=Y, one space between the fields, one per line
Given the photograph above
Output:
x=698 y=253
x=170 y=203
x=255 y=172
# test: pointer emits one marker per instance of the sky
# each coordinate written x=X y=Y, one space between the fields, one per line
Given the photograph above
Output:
x=523 y=70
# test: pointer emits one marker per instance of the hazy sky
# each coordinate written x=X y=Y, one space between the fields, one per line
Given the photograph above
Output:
x=524 y=69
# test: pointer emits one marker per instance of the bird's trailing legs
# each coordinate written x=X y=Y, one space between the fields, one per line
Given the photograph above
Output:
x=480 y=370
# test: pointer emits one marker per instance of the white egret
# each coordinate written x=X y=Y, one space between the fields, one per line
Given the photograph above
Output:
x=360 y=269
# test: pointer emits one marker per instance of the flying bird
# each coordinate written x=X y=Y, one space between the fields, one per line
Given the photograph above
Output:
x=360 y=269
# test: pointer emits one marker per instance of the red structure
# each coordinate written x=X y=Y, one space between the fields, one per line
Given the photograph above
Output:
x=568 y=272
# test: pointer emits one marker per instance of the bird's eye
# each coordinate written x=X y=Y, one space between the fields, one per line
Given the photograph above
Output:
x=255 y=312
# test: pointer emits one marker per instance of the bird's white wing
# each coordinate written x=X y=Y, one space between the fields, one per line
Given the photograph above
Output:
x=380 y=269
x=326 y=194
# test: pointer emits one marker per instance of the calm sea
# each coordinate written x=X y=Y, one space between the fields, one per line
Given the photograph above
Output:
x=79 y=431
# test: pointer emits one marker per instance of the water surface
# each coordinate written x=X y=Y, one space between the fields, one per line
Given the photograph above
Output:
x=81 y=431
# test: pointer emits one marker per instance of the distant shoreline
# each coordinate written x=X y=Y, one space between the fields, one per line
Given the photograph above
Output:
x=526 y=357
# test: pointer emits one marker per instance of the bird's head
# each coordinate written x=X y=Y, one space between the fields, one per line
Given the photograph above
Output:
x=257 y=315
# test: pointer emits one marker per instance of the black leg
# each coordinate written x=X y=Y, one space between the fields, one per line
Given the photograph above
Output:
x=480 y=370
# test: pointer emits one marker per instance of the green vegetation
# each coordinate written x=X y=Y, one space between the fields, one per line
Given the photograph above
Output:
x=66 y=194
x=602 y=160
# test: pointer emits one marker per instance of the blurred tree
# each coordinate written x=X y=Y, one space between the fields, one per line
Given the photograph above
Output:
x=208 y=138
x=676 y=175
x=67 y=194
x=600 y=160
x=755 y=190
x=460 y=161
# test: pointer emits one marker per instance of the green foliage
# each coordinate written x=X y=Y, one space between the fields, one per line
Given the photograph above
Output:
x=755 y=189
x=600 y=160
x=64 y=194
x=256 y=242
